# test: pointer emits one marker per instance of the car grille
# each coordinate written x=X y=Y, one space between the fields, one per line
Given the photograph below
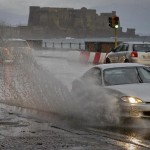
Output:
x=146 y=113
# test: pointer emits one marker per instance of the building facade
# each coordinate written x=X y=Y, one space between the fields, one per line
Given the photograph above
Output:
x=50 y=22
x=69 y=22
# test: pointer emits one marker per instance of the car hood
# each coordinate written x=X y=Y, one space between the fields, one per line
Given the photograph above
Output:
x=141 y=90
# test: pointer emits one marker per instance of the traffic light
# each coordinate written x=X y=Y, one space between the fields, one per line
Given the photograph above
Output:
x=110 y=22
x=116 y=22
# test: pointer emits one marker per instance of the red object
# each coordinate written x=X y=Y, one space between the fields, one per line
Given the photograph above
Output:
x=134 y=54
x=96 y=58
x=116 y=18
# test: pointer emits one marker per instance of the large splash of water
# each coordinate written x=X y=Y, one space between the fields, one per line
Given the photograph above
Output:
x=27 y=84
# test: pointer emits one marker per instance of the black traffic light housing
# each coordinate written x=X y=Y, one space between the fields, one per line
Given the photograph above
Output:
x=110 y=22
x=114 y=22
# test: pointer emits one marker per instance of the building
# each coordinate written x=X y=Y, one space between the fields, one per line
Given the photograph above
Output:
x=50 y=22
x=68 y=22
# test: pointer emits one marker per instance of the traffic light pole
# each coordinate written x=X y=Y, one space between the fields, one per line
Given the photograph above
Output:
x=114 y=23
x=115 y=37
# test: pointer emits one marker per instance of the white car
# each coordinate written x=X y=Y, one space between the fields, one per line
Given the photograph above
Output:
x=129 y=83
x=135 y=52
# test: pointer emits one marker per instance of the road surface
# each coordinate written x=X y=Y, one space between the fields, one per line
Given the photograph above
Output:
x=37 y=111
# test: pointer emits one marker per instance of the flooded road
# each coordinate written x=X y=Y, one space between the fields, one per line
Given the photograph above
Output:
x=38 y=111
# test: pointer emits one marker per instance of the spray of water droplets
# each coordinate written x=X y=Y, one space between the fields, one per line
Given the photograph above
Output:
x=27 y=84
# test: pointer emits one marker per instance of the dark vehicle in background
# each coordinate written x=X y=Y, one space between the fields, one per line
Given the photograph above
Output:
x=134 y=52
x=13 y=49
x=129 y=83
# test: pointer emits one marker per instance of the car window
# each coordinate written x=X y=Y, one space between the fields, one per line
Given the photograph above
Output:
x=118 y=76
x=141 y=47
x=144 y=74
x=124 y=47
x=93 y=74
x=117 y=49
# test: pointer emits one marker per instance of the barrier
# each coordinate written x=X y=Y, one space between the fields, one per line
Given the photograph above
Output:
x=92 y=57
x=86 y=57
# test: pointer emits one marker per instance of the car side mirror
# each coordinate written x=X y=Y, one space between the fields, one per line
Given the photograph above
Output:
x=113 y=50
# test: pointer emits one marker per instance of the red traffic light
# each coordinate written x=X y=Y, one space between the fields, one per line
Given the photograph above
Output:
x=116 y=22
x=116 y=19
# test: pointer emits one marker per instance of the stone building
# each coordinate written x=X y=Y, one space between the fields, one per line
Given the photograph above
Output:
x=49 y=22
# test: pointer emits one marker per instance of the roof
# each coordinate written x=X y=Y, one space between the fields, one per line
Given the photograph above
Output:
x=112 y=65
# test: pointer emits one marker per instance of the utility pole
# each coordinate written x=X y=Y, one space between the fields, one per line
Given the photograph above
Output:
x=115 y=37
x=114 y=23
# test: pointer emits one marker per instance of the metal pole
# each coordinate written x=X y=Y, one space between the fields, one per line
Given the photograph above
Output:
x=115 y=37
x=45 y=45
x=79 y=45
x=70 y=45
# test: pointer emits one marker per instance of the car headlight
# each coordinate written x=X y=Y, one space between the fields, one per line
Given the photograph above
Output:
x=132 y=100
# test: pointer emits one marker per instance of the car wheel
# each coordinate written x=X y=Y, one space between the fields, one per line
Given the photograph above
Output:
x=108 y=61
x=126 y=61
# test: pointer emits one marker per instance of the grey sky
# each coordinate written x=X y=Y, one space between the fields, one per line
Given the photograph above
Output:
x=132 y=13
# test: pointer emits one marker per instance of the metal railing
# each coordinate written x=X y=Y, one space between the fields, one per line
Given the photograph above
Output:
x=63 y=45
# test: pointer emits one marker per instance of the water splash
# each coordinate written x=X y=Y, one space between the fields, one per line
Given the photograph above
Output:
x=27 y=84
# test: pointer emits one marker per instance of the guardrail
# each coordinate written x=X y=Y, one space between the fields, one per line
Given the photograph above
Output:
x=63 y=45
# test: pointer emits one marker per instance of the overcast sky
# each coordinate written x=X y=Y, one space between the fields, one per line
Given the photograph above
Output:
x=132 y=13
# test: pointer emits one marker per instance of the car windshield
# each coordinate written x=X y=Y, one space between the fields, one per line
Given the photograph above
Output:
x=141 y=47
x=16 y=44
x=130 y=75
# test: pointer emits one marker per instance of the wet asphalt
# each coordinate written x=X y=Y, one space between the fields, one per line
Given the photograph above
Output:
x=25 y=129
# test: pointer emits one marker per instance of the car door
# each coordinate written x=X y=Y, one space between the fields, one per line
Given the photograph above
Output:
x=113 y=55
x=122 y=53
